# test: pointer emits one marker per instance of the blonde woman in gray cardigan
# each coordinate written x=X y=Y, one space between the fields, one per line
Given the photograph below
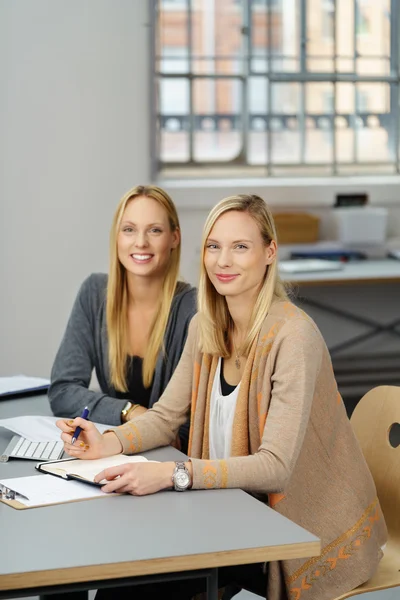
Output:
x=129 y=326
x=266 y=416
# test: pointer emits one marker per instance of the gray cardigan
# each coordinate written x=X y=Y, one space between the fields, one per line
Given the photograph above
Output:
x=84 y=347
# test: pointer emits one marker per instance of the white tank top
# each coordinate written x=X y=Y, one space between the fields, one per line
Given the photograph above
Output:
x=222 y=412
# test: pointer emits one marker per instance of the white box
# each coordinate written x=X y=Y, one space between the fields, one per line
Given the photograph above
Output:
x=361 y=225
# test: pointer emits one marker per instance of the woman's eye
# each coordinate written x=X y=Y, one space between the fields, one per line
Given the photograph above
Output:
x=155 y=230
x=241 y=247
x=127 y=229
x=211 y=246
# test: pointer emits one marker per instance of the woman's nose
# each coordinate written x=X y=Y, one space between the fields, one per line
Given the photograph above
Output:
x=224 y=258
x=141 y=239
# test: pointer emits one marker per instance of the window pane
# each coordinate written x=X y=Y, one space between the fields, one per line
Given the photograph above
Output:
x=285 y=137
x=172 y=32
x=258 y=108
x=320 y=38
x=345 y=34
x=374 y=124
x=373 y=27
x=274 y=36
x=173 y=118
x=217 y=107
x=319 y=122
x=344 y=122
x=217 y=39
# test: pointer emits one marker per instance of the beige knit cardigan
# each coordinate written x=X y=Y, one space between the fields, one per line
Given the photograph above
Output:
x=292 y=443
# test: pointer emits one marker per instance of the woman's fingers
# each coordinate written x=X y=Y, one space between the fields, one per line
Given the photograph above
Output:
x=86 y=426
x=66 y=438
x=113 y=472
x=116 y=485
x=65 y=425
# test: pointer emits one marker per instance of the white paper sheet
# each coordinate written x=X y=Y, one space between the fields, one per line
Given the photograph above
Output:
x=47 y=489
x=21 y=383
x=38 y=428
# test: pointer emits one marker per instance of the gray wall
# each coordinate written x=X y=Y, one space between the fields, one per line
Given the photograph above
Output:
x=74 y=137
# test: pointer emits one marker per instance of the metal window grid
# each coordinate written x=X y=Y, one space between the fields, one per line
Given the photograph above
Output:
x=242 y=121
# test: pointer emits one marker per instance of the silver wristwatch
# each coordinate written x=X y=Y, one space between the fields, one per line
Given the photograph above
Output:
x=181 y=477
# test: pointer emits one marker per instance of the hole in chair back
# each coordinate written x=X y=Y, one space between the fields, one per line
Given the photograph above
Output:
x=394 y=435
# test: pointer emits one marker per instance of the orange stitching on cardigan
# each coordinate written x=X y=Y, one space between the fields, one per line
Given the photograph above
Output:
x=195 y=390
x=196 y=380
x=274 y=499
x=133 y=437
x=333 y=544
x=262 y=420
x=209 y=476
x=224 y=473
x=291 y=310
x=330 y=564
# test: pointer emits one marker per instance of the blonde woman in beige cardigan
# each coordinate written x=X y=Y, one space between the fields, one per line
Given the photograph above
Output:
x=285 y=437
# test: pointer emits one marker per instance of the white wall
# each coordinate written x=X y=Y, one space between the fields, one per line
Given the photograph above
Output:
x=74 y=119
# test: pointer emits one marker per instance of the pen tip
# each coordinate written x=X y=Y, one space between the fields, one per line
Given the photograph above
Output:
x=73 y=440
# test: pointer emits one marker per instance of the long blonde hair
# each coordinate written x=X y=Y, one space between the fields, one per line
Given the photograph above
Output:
x=117 y=295
x=213 y=317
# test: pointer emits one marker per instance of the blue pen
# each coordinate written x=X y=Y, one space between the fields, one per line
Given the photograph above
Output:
x=77 y=431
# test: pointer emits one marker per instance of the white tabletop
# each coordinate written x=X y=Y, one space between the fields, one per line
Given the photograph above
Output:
x=129 y=536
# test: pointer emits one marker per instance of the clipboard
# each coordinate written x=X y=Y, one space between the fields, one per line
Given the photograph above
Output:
x=7 y=496
x=41 y=497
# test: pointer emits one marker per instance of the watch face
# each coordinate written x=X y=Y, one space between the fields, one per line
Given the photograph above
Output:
x=181 y=479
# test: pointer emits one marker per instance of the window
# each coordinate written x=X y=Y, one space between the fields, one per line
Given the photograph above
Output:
x=273 y=87
x=328 y=19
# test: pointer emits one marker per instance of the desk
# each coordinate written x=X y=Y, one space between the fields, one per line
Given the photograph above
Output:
x=181 y=546
x=357 y=311
x=363 y=271
x=357 y=273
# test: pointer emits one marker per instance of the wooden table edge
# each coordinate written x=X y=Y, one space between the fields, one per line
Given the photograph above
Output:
x=34 y=579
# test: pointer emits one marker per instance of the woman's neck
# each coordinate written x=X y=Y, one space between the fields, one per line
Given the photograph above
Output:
x=240 y=312
x=144 y=292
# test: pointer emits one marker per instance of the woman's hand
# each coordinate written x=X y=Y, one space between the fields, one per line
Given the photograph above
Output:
x=90 y=443
x=138 y=479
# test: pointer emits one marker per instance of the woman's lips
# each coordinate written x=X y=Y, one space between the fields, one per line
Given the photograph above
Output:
x=224 y=278
x=141 y=259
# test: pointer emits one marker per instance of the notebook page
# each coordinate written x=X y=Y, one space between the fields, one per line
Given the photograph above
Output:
x=46 y=489
x=88 y=469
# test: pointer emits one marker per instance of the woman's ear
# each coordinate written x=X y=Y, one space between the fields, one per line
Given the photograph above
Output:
x=270 y=252
x=176 y=238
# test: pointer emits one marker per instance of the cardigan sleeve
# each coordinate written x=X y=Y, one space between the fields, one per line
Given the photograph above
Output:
x=72 y=369
x=160 y=424
x=296 y=362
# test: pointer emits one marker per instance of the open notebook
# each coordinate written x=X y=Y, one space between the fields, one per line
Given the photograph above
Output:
x=41 y=490
x=85 y=470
